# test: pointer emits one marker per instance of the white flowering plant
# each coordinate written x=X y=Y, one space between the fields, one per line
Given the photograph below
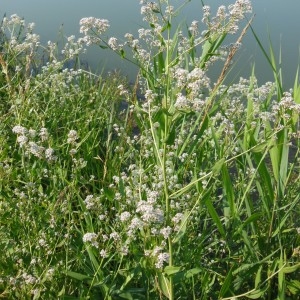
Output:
x=180 y=187
x=200 y=149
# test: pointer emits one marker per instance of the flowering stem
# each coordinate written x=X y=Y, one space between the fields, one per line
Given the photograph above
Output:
x=166 y=133
x=168 y=217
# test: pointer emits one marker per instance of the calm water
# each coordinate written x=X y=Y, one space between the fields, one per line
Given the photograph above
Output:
x=277 y=18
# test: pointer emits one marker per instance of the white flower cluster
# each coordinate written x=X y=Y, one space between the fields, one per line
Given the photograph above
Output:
x=149 y=11
x=166 y=232
x=19 y=40
x=72 y=48
x=91 y=238
x=113 y=44
x=13 y=20
x=124 y=216
x=287 y=103
x=230 y=16
x=239 y=8
x=25 y=141
x=29 y=279
x=92 y=202
x=150 y=213
x=160 y=257
x=92 y=28
x=192 y=85
x=94 y=24
x=72 y=137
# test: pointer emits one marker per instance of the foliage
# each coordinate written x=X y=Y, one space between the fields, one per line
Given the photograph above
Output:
x=190 y=191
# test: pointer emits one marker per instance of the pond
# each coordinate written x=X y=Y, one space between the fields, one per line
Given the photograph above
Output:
x=277 y=20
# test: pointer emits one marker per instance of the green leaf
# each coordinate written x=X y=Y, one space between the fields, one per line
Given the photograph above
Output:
x=258 y=277
x=62 y=292
x=251 y=219
x=218 y=166
x=182 y=228
x=228 y=190
x=245 y=267
x=205 y=51
x=296 y=96
x=164 y=285
x=271 y=60
x=161 y=63
x=167 y=26
x=260 y=147
x=296 y=89
x=215 y=216
x=294 y=287
x=156 y=11
x=128 y=279
x=226 y=284
x=122 y=53
x=291 y=269
x=192 y=272
x=249 y=243
x=78 y=276
x=93 y=259
x=171 y=270
x=123 y=295
x=210 y=47
x=171 y=137
x=258 y=294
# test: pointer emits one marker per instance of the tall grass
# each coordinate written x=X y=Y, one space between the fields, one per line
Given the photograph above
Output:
x=190 y=191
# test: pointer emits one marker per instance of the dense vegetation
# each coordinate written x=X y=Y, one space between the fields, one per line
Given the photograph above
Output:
x=190 y=190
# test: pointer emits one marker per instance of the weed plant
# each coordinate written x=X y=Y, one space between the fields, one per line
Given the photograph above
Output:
x=188 y=192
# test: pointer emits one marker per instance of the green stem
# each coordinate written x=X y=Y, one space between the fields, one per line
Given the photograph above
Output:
x=167 y=205
x=166 y=133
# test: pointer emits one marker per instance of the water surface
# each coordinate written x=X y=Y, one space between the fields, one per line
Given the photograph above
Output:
x=275 y=19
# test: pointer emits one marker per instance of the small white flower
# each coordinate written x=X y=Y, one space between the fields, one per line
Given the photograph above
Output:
x=165 y=232
x=194 y=27
x=181 y=102
x=72 y=137
x=42 y=242
x=103 y=253
x=115 y=236
x=32 y=133
x=125 y=216
x=49 y=154
x=36 y=150
x=29 y=279
x=124 y=250
x=73 y=151
x=89 y=202
x=161 y=259
x=20 y=130
x=102 y=217
x=113 y=44
x=91 y=23
x=22 y=140
x=90 y=237
x=44 y=135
